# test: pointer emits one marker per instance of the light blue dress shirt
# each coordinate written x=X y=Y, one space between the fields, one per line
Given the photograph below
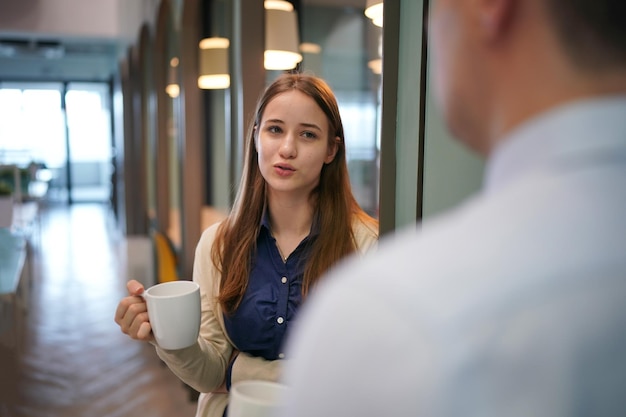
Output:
x=513 y=304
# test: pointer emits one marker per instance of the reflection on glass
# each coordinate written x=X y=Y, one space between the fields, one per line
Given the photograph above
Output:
x=338 y=42
x=374 y=10
x=172 y=116
x=172 y=88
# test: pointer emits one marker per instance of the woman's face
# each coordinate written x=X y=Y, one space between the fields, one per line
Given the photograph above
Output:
x=292 y=143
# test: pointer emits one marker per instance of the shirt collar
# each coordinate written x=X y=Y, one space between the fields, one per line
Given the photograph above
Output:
x=582 y=127
x=265 y=219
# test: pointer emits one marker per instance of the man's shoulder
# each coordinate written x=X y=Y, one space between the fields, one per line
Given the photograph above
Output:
x=421 y=263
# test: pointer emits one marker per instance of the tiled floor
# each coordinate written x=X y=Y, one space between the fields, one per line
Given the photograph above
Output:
x=75 y=360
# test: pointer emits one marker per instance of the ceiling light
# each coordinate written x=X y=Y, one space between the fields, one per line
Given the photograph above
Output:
x=374 y=10
x=310 y=48
x=214 y=72
x=281 y=36
x=376 y=65
x=172 y=88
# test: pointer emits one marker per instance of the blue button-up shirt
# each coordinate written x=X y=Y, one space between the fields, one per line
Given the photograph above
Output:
x=274 y=293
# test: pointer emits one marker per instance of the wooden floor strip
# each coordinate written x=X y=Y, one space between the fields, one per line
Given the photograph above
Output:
x=76 y=362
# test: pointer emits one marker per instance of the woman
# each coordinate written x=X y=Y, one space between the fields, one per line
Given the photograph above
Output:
x=293 y=218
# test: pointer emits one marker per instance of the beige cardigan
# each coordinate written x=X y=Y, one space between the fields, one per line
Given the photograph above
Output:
x=203 y=365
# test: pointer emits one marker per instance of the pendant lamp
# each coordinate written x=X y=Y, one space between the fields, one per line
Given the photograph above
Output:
x=214 y=64
x=374 y=11
x=281 y=36
x=376 y=66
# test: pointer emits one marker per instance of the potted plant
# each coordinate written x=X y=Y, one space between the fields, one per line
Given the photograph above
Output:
x=6 y=205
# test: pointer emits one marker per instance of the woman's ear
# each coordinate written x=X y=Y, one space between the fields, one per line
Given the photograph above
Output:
x=332 y=150
x=255 y=135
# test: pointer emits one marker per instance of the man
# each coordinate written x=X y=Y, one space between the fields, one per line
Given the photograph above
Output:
x=513 y=304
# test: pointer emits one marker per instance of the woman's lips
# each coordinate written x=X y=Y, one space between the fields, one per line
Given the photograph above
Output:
x=284 y=170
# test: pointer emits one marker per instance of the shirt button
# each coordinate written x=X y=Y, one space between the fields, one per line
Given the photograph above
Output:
x=283 y=280
x=281 y=356
x=280 y=320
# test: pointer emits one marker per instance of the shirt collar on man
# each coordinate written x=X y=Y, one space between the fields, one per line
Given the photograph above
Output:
x=583 y=127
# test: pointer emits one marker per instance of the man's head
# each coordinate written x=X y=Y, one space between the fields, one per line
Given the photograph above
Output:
x=497 y=63
x=592 y=32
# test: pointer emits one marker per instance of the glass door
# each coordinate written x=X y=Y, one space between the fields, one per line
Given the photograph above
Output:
x=89 y=141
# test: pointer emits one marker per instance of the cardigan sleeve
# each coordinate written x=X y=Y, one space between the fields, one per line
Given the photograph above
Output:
x=365 y=235
x=203 y=365
x=247 y=367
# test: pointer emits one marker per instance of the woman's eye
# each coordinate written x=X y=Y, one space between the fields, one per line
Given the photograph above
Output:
x=274 y=129
x=309 y=135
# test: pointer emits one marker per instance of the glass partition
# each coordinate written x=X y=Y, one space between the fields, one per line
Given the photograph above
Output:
x=341 y=45
x=168 y=147
x=172 y=133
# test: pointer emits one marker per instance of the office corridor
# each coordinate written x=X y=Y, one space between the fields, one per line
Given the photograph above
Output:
x=75 y=360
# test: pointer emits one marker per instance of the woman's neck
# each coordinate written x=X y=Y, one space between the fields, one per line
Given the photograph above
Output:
x=291 y=221
x=290 y=216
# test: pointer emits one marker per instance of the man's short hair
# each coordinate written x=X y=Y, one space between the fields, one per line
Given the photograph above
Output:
x=593 y=32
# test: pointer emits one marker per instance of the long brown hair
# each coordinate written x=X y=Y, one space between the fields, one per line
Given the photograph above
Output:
x=336 y=208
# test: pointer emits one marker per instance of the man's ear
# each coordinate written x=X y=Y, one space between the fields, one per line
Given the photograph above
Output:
x=332 y=150
x=494 y=17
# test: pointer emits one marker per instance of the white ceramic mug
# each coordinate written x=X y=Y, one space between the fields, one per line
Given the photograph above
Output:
x=256 y=399
x=174 y=313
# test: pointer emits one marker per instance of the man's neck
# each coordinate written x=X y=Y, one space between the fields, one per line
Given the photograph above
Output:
x=544 y=89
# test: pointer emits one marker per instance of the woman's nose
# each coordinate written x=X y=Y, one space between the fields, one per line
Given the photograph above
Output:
x=287 y=148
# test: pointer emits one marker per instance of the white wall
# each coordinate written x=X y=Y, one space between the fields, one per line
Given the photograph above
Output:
x=131 y=14
x=98 y=19
x=96 y=34
x=91 y=18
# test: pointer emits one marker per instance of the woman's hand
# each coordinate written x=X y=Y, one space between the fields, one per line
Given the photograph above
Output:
x=132 y=314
